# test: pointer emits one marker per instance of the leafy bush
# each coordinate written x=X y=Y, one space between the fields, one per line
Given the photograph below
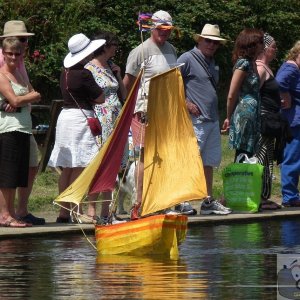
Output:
x=55 y=21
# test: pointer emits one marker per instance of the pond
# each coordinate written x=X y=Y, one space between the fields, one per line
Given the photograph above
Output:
x=216 y=262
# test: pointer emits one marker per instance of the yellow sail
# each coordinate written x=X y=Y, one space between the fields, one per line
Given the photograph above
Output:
x=173 y=170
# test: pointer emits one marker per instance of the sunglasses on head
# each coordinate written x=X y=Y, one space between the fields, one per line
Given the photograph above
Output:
x=12 y=53
x=211 y=41
x=23 y=39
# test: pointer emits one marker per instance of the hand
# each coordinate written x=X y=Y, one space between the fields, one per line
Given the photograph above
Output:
x=116 y=70
x=10 y=109
x=193 y=108
x=225 y=126
x=286 y=103
x=36 y=97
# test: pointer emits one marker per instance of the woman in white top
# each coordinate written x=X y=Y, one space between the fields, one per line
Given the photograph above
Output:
x=15 y=131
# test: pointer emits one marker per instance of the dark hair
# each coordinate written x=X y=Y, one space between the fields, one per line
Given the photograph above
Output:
x=110 y=40
x=246 y=44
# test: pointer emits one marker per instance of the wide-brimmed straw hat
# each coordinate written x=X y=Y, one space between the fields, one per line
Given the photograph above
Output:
x=80 y=47
x=211 y=32
x=15 y=28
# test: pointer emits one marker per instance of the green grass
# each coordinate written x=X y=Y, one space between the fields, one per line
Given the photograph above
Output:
x=45 y=190
x=45 y=187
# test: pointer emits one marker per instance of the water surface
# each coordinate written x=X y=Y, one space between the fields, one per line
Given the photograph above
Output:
x=216 y=262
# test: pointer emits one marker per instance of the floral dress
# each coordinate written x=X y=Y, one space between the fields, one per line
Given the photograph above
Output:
x=245 y=122
x=107 y=112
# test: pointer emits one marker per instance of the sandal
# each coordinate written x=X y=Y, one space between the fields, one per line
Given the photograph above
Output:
x=269 y=205
x=13 y=223
x=85 y=219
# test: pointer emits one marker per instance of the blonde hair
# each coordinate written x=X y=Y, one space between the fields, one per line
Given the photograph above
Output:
x=294 y=52
x=13 y=43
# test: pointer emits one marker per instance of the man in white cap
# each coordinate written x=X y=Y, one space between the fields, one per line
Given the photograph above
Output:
x=201 y=75
x=156 y=55
x=15 y=28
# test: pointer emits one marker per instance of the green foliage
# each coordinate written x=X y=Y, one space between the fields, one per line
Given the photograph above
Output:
x=55 y=21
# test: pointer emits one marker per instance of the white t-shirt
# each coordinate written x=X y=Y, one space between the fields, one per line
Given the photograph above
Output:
x=156 y=59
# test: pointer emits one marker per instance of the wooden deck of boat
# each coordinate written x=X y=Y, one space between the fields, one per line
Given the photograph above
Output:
x=53 y=229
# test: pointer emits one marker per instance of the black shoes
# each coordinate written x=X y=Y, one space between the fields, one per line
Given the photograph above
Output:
x=31 y=219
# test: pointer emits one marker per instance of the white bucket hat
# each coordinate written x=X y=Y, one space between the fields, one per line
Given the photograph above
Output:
x=15 y=28
x=211 y=32
x=162 y=17
x=80 y=47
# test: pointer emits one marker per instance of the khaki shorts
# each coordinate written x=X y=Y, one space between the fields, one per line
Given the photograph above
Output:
x=33 y=153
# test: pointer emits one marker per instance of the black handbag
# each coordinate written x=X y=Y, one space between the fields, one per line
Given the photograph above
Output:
x=271 y=125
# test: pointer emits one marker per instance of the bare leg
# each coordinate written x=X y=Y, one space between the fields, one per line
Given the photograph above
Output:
x=92 y=205
x=7 y=197
x=139 y=177
x=24 y=193
x=105 y=204
x=68 y=175
x=208 y=172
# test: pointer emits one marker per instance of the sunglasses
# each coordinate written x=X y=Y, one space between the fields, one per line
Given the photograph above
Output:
x=12 y=53
x=23 y=39
x=208 y=41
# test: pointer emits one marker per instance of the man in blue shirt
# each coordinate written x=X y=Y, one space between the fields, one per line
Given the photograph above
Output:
x=201 y=75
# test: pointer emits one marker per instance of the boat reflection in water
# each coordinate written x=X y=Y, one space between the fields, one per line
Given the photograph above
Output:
x=237 y=261
x=149 y=278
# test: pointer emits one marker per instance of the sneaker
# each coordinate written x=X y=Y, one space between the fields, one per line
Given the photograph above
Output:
x=109 y=220
x=212 y=206
x=186 y=208
x=169 y=211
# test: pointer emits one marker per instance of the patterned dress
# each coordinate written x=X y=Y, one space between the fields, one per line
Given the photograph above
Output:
x=245 y=122
x=110 y=109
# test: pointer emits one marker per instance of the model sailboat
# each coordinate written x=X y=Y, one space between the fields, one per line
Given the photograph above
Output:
x=173 y=173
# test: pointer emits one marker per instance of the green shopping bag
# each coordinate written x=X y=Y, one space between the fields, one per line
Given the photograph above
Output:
x=242 y=184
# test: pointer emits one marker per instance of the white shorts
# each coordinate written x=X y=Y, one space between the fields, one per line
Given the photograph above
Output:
x=209 y=141
x=33 y=153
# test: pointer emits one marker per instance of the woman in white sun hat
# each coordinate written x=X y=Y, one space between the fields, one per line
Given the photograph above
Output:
x=75 y=146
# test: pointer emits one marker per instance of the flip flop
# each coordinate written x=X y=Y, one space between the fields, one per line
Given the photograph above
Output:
x=13 y=223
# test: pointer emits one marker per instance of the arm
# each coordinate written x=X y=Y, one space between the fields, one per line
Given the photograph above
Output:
x=185 y=70
x=93 y=90
x=192 y=108
x=286 y=100
x=99 y=100
x=122 y=92
x=128 y=81
x=285 y=80
x=235 y=86
x=16 y=101
x=262 y=75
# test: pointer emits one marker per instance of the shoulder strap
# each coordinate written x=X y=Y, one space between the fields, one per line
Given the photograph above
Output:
x=5 y=75
x=205 y=67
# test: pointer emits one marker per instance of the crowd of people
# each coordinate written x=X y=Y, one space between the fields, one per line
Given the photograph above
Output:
x=262 y=120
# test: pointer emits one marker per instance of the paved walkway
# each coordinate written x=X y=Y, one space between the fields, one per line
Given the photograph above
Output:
x=51 y=228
